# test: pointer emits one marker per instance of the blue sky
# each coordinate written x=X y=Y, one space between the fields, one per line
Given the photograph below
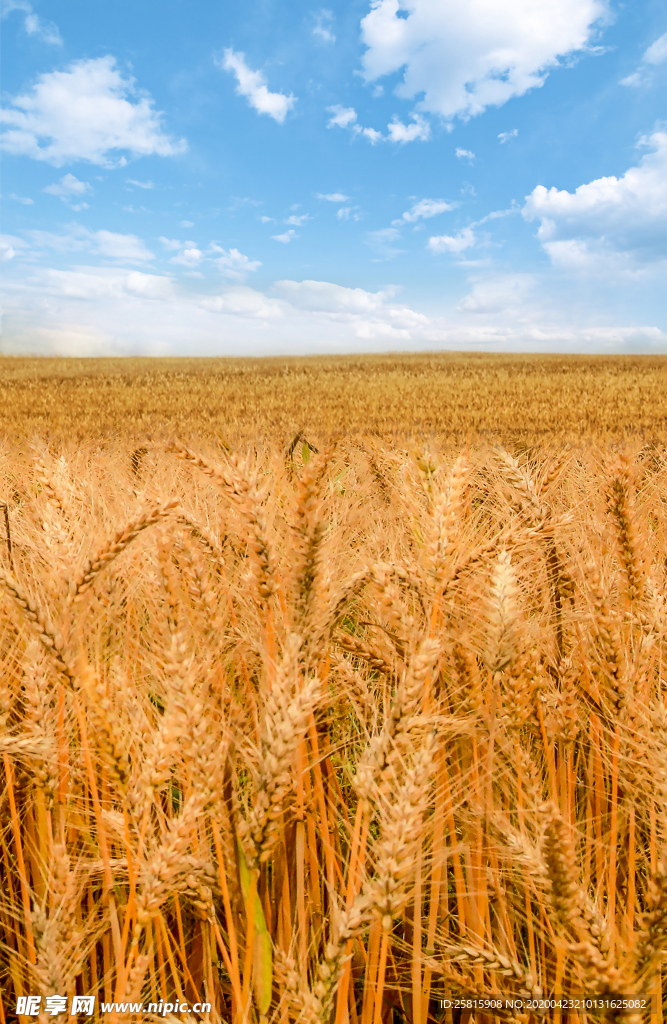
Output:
x=265 y=177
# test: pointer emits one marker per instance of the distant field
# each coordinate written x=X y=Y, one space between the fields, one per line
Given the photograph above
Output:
x=459 y=397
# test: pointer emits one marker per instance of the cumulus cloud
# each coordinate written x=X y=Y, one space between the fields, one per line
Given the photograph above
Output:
x=233 y=264
x=418 y=131
x=506 y=136
x=252 y=85
x=466 y=57
x=45 y=31
x=140 y=184
x=189 y=257
x=286 y=236
x=423 y=210
x=620 y=218
x=341 y=117
x=68 y=186
x=333 y=197
x=87 y=112
x=655 y=54
x=24 y=200
x=452 y=243
x=465 y=154
x=68 y=189
x=346 y=117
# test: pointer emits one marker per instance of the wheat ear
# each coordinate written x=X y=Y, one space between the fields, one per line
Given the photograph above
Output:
x=244 y=493
x=572 y=908
x=287 y=711
x=621 y=502
x=31 y=611
x=115 y=546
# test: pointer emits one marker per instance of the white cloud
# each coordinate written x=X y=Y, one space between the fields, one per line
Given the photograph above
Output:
x=333 y=197
x=45 y=31
x=325 y=297
x=297 y=219
x=286 y=237
x=465 y=154
x=657 y=51
x=103 y=243
x=423 y=210
x=25 y=200
x=233 y=264
x=140 y=184
x=505 y=136
x=69 y=188
x=243 y=302
x=323 y=26
x=92 y=283
x=465 y=57
x=349 y=213
x=187 y=224
x=655 y=54
x=188 y=257
x=7 y=250
x=370 y=315
x=252 y=85
x=267 y=220
x=116 y=311
x=418 y=131
x=497 y=294
x=87 y=112
x=346 y=117
x=452 y=243
x=619 y=218
x=121 y=247
x=341 y=117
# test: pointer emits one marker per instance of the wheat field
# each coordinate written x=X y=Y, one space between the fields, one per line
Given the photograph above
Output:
x=460 y=397
x=332 y=730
